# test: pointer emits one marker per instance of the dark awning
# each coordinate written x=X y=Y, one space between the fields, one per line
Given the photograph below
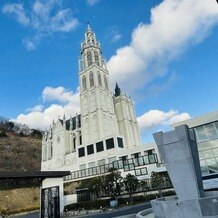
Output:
x=39 y=174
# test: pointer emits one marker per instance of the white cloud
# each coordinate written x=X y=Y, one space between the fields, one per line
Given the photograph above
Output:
x=17 y=11
x=116 y=37
x=60 y=94
x=170 y=32
x=113 y=34
x=37 y=108
x=41 y=117
x=156 y=118
x=44 y=18
x=92 y=2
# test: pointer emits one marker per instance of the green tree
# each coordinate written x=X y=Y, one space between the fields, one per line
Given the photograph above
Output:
x=144 y=185
x=157 y=181
x=114 y=183
x=96 y=186
x=131 y=184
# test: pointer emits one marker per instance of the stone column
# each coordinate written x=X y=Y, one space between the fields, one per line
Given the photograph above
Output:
x=179 y=151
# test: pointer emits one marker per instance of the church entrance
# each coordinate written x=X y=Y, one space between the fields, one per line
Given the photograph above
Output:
x=50 y=202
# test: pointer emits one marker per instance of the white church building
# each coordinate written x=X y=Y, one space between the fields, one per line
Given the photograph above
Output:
x=105 y=134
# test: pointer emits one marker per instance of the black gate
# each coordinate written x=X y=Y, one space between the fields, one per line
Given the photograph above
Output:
x=50 y=203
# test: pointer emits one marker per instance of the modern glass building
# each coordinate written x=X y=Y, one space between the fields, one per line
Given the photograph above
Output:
x=206 y=131
x=207 y=141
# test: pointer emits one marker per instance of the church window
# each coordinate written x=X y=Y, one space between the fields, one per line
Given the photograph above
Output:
x=120 y=142
x=89 y=58
x=81 y=152
x=80 y=139
x=110 y=143
x=84 y=82
x=105 y=82
x=91 y=79
x=99 y=79
x=51 y=150
x=74 y=143
x=99 y=146
x=96 y=57
x=90 y=149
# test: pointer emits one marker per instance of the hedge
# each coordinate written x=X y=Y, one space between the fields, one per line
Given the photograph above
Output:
x=102 y=203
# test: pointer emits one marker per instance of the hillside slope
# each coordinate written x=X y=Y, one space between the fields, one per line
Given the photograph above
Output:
x=19 y=152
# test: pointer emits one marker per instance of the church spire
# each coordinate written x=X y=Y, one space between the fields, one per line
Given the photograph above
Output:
x=90 y=51
x=88 y=26
x=117 y=90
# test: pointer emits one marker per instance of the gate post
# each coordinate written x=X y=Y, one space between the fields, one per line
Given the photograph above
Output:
x=51 y=183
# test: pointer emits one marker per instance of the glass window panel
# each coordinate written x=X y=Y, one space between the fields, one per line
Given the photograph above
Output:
x=138 y=172
x=151 y=158
x=144 y=171
x=211 y=131
x=203 y=167
x=125 y=162
x=208 y=153
x=126 y=167
x=120 y=163
x=135 y=161
x=211 y=162
x=115 y=165
x=216 y=125
x=131 y=166
x=215 y=151
x=214 y=143
x=201 y=133
x=146 y=159
x=204 y=145
x=110 y=165
x=201 y=155
x=141 y=161
x=130 y=161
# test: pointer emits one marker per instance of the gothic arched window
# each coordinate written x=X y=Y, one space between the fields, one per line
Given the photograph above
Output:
x=105 y=82
x=96 y=57
x=74 y=142
x=91 y=79
x=80 y=139
x=89 y=58
x=99 y=79
x=84 y=82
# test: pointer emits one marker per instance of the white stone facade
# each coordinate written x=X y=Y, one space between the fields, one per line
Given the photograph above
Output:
x=105 y=134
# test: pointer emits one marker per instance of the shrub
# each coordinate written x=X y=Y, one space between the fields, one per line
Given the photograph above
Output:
x=87 y=205
x=3 y=134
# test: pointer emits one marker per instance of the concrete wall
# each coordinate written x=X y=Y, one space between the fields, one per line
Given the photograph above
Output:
x=52 y=182
x=70 y=199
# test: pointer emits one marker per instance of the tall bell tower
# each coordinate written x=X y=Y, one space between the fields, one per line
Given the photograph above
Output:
x=98 y=116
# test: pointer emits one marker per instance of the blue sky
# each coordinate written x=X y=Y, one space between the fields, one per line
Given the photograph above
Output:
x=162 y=53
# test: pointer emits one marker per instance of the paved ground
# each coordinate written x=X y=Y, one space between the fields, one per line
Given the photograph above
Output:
x=124 y=212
